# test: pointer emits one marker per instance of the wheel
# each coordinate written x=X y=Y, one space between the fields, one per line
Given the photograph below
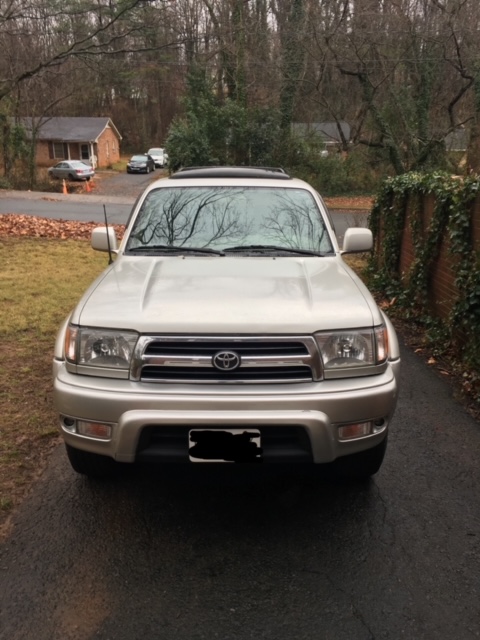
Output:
x=71 y=176
x=359 y=466
x=91 y=464
x=147 y=170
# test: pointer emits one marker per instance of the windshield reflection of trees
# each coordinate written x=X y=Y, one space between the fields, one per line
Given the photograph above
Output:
x=176 y=216
x=223 y=216
x=297 y=224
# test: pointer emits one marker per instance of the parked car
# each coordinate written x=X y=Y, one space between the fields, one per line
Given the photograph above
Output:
x=159 y=156
x=71 y=170
x=228 y=329
x=142 y=163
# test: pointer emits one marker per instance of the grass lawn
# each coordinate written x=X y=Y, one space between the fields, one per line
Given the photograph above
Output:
x=41 y=280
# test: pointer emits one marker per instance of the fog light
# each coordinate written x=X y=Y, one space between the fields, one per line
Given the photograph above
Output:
x=94 y=429
x=69 y=424
x=357 y=430
x=379 y=426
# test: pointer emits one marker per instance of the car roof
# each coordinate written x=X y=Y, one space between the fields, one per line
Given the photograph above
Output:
x=275 y=173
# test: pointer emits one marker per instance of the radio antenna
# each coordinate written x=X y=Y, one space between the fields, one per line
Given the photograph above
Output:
x=110 y=259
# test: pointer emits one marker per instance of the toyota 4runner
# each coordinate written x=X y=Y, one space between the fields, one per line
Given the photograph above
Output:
x=228 y=329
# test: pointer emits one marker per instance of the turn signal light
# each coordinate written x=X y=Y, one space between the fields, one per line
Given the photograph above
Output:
x=94 y=429
x=358 y=430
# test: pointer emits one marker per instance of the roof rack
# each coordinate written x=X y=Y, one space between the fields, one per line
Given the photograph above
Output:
x=275 y=173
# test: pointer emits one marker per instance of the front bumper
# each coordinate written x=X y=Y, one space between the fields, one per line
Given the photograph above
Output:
x=142 y=412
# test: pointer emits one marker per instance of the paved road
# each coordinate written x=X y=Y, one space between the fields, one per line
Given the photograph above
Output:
x=154 y=557
x=85 y=208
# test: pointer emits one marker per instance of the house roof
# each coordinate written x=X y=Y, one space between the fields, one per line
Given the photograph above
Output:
x=69 y=129
x=328 y=131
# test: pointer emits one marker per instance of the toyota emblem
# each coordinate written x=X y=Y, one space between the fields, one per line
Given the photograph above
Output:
x=226 y=360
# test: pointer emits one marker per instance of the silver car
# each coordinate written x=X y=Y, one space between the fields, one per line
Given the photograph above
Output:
x=71 y=170
x=227 y=330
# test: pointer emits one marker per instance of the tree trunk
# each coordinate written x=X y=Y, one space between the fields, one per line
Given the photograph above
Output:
x=473 y=151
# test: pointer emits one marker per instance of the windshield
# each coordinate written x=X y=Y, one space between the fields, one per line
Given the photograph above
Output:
x=155 y=152
x=230 y=217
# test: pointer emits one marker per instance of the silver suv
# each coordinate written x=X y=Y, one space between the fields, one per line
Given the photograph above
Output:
x=228 y=329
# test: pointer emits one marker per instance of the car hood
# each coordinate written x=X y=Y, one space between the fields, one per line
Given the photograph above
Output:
x=227 y=295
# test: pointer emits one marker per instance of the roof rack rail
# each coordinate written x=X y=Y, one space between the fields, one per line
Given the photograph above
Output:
x=275 y=173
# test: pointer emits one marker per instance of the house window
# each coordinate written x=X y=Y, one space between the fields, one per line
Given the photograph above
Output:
x=84 y=152
x=58 y=150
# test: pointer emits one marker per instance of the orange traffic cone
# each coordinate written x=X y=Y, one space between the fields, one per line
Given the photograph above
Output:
x=65 y=190
x=87 y=186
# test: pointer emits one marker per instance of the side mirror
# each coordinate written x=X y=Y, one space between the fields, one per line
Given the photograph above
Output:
x=103 y=240
x=357 y=239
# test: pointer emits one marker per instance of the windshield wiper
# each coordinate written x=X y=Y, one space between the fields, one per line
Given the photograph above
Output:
x=264 y=248
x=173 y=249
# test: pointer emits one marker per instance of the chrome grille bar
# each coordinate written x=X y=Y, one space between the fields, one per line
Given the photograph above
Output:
x=189 y=359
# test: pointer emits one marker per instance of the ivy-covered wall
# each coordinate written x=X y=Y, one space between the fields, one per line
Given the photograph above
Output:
x=427 y=253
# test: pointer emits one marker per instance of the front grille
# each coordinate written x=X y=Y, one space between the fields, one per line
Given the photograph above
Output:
x=191 y=359
x=210 y=347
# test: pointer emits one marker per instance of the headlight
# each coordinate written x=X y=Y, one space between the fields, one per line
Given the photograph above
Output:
x=100 y=347
x=353 y=348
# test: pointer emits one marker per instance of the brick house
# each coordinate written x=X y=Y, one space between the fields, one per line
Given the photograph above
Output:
x=93 y=140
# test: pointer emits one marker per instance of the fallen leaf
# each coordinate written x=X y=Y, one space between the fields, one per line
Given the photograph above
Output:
x=12 y=224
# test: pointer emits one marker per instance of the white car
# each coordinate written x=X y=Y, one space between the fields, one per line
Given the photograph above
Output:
x=159 y=156
x=229 y=330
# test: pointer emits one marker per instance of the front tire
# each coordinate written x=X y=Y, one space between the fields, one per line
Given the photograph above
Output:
x=91 y=464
